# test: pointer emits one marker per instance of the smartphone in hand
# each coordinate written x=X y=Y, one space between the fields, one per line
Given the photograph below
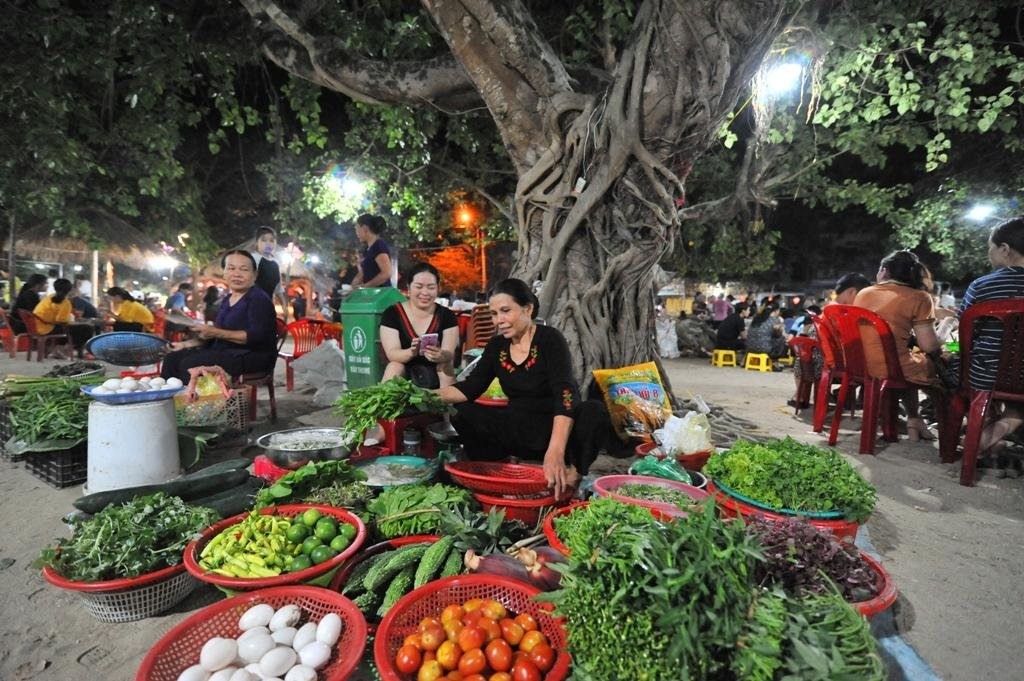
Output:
x=429 y=340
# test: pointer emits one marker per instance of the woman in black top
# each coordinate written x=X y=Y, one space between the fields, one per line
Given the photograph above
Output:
x=375 y=263
x=545 y=418
x=28 y=298
x=403 y=325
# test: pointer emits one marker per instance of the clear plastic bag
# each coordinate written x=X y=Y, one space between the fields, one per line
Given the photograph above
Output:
x=686 y=435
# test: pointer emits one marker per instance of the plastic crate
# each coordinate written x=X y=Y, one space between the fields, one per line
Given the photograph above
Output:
x=214 y=410
x=5 y=433
x=59 y=468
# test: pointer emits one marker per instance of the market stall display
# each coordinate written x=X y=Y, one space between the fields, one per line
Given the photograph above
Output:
x=324 y=617
x=295 y=447
x=671 y=497
x=257 y=550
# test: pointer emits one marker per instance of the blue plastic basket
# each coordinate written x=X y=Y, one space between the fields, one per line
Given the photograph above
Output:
x=821 y=515
x=127 y=348
x=132 y=398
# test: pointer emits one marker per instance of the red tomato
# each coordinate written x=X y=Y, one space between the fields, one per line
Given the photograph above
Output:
x=472 y=617
x=448 y=655
x=530 y=639
x=476 y=677
x=453 y=612
x=430 y=671
x=543 y=656
x=495 y=610
x=511 y=632
x=500 y=676
x=432 y=637
x=490 y=627
x=520 y=656
x=428 y=622
x=527 y=621
x=430 y=655
x=473 y=604
x=452 y=629
x=454 y=675
x=408 y=659
x=472 y=661
x=525 y=671
x=413 y=640
x=472 y=637
x=499 y=655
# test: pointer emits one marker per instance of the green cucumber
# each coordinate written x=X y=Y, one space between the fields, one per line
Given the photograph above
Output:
x=232 y=501
x=186 y=487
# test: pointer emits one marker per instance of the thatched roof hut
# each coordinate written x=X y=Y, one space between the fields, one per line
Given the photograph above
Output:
x=119 y=241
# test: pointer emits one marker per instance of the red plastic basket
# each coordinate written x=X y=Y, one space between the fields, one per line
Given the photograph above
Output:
x=491 y=477
x=179 y=648
x=549 y=526
x=692 y=462
x=527 y=510
x=732 y=507
x=195 y=548
x=608 y=486
x=430 y=599
x=887 y=591
x=129 y=599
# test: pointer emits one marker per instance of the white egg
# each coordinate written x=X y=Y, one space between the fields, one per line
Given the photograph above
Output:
x=129 y=383
x=112 y=383
x=123 y=390
x=243 y=675
x=174 y=382
x=218 y=653
x=224 y=674
x=100 y=390
x=284 y=636
x=278 y=661
x=255 y=631
x=156 y=381
x=256 y=616
x=315 y=654
x=287 y=616
x=304 y=636
x=300 y=672
x=145 y=380
x=194 y=673
x=253 y=648
x=329 y=629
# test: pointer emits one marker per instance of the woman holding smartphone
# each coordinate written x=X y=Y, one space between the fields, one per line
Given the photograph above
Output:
x=419 y=336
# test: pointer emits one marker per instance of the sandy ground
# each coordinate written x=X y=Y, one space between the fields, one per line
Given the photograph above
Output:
x=955 y=552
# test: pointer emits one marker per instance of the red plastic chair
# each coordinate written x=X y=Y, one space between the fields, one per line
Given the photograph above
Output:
x=12 y=340
x=803 y=347
x=833 y=368
x=481 y=328
x=306 y=335
x=1009 y=384
x=41 y=342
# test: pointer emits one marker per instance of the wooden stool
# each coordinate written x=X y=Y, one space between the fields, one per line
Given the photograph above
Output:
x=758 y=361
x=723 y=358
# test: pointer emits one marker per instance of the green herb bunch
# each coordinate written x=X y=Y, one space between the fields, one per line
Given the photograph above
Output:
x=302 y=482
x=786 y=474
x=415 y=509
x=361 y=407
x=51 y=410
x=127 y=540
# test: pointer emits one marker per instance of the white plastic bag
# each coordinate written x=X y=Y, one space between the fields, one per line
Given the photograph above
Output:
x=686 y=435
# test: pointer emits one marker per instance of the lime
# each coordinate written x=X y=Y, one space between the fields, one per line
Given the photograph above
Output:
x=347 y=531
x=310 y=516
x=296 y=533
x=340 y=543
x=322 y=553
x=300 y=562
x=325 y=529
x=311 y=543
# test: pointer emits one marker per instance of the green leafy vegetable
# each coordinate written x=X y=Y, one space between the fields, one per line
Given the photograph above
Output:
x=415 y=509
x=786 y=474
x=657 y=493
x=302 y=482
x=51 y=409
x=351 y=495
x=127 y=540
x=362 y=407
x=591 y=526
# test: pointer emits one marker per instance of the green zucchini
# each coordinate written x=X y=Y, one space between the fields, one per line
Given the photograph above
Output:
x=222 y=466
x=232 y=501
x=187 y=487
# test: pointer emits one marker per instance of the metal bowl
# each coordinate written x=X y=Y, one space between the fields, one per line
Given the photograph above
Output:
x=295 y=447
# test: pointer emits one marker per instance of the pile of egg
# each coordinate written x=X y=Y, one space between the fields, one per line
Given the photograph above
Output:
x=113 y=386
x=270 y=647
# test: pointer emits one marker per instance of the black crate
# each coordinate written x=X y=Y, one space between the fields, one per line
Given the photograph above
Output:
x=59 y=468
x=5 y=433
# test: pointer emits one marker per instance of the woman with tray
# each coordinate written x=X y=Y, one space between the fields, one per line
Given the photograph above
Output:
x=243 y=339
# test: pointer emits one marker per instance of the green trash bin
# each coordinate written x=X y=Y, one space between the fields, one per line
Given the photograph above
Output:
x=360 y=317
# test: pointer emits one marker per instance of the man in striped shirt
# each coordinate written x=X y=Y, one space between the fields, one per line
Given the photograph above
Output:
x=1006 y=253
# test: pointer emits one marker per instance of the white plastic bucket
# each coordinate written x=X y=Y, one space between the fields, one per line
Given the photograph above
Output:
x=131 y=444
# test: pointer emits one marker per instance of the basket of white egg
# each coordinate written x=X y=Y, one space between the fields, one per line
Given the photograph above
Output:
x=292 y=633
x=134 y=390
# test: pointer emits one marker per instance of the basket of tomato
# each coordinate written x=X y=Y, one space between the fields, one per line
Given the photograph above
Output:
x=291 y=544
x=479 y=626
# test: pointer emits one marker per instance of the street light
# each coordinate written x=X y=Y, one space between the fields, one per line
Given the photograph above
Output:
x=467 y=216
x=980 y=212
x=782 y=78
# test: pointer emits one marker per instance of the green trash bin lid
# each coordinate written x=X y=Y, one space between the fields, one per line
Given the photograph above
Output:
x=370 y=300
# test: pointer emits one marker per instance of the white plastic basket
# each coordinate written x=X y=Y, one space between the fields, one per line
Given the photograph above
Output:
x=134 y=602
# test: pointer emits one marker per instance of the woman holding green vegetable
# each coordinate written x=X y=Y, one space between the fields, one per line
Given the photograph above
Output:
x=545 y=418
